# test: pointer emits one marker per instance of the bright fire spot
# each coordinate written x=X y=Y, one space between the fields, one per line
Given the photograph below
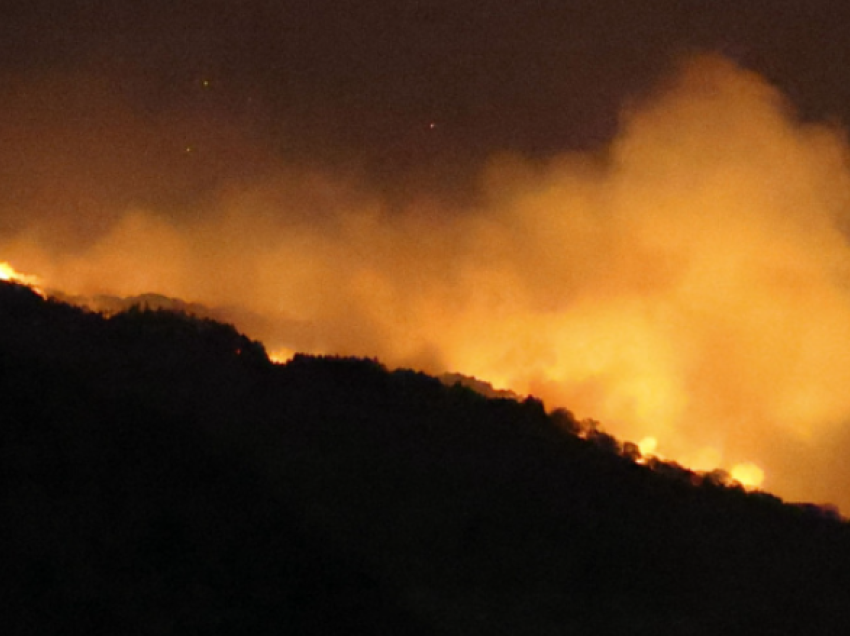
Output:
x=281 y=355
x=9 y=273
x=748 y=475
x=647 y=445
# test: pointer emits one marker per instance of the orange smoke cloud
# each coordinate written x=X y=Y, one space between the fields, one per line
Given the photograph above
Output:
x=688 y=284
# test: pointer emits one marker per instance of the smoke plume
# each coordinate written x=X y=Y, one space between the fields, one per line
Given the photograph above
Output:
x=689 y=282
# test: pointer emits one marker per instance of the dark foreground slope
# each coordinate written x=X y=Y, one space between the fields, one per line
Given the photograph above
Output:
x=160 y=476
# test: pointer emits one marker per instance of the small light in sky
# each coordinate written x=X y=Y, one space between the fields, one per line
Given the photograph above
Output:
x=205 y=83
x=432 y=126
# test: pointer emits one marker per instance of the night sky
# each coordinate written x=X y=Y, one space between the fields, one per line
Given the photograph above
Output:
x=639 y=210
x=360 y=84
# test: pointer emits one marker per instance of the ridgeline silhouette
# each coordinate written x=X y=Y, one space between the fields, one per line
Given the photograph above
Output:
x=161 y=476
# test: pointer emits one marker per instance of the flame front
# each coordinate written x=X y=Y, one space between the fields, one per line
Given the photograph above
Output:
x=9 y=273
x=748 y=474
x=689 y=283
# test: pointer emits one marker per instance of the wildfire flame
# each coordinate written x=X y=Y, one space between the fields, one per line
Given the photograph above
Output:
x=281 y=355
x=689 y=282
x=9 y=273
x=748 y=475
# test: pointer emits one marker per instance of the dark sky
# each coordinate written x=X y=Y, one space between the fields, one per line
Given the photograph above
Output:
x=360 y=83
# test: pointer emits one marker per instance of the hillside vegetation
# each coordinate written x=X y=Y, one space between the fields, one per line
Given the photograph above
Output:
x=161 y=476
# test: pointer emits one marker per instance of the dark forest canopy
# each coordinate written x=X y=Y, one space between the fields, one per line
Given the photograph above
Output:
x=161 y=476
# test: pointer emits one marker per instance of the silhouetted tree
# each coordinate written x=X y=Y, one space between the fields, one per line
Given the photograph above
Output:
x=159 y=478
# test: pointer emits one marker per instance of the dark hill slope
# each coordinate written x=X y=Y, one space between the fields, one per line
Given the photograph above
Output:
x=160 y=476
x=125 y=513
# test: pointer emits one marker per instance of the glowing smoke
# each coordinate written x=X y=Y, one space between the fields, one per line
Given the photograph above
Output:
x=689 y=284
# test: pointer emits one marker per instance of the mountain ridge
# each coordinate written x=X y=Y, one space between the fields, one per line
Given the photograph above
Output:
x=163 y=476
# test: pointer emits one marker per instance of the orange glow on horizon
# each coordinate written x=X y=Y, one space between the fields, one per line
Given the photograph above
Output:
x=9 y=273
x=281 y=355
x=687 y=284
x=647 y=446
x=748 y=475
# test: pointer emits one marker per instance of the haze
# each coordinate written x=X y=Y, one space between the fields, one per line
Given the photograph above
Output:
x=689 y=281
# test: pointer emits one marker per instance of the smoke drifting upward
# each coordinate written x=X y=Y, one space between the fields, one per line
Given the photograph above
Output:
x=690 y=282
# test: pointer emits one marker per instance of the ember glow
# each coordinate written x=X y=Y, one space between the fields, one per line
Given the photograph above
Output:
x=688 y=284
x=9 y=273
x=748 y=474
